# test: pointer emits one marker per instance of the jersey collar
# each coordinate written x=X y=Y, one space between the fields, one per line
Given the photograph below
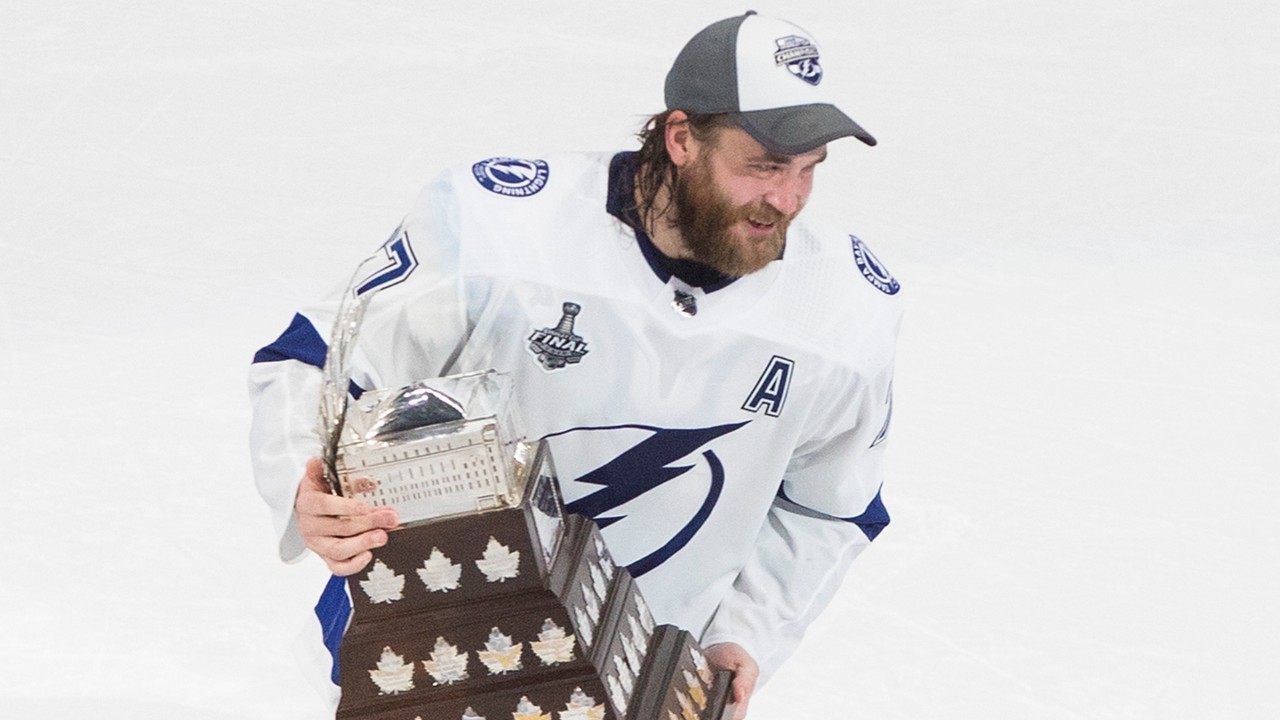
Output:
x=621 y=204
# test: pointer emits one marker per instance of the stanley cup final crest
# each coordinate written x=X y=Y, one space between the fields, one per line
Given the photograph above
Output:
x=559 y=346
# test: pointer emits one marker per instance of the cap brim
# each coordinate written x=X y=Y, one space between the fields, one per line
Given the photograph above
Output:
x=800 y=128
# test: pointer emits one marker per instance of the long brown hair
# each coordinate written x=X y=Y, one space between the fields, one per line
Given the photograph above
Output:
x=654 y=168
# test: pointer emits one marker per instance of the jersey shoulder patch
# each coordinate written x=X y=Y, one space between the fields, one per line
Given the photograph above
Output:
x=512 y=177
x=872 y=269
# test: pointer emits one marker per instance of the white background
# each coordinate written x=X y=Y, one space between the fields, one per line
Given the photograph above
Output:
x=1082 y=199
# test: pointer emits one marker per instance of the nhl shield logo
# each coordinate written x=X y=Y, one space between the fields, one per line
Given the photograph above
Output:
x=800 y=56
x=559 y=346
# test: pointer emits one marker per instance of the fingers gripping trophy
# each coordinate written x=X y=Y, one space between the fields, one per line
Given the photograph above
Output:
x=489 y=601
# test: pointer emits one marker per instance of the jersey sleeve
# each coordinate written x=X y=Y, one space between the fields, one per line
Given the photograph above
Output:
x=827 y=511
x=412 y=328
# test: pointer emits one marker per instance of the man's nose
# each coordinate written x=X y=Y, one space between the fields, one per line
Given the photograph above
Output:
x=786 y=195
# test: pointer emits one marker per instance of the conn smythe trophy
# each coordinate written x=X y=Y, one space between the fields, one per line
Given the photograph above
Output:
x=489 y=601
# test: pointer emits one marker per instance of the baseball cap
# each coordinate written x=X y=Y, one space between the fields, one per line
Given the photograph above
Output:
x=765 y=73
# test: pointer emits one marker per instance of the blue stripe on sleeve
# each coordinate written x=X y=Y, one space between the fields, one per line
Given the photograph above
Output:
x=299 y=341
x=872 y=520
x=333 y=610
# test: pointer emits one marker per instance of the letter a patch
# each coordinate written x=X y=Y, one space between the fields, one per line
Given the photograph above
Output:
x=770 y=391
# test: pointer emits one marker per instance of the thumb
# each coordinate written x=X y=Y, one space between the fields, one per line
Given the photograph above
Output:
x=313 y=478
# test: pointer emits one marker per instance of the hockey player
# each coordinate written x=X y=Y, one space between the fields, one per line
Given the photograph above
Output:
x=713 y=373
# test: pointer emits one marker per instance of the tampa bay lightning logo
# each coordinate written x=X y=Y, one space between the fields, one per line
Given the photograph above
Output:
x=872 y=270
x=800 y=56
x=667 y=479
x=511 y=176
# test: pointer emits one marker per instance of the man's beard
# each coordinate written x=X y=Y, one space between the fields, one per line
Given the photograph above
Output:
x=706 y=219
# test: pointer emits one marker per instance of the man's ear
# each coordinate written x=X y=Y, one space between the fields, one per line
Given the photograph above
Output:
x=681 y=145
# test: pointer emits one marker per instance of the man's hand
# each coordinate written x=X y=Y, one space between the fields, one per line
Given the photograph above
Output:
x=342 y=531
x=731 y=656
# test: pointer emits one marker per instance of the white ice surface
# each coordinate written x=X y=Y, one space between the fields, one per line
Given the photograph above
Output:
x=1083 y=199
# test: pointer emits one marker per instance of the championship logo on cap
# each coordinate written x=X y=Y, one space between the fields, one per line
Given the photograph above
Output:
x=800 y=56
x=511 y=176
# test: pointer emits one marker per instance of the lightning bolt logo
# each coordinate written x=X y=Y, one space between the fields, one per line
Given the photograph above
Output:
x=513 y=172
x=646 y=466
x=512 y=177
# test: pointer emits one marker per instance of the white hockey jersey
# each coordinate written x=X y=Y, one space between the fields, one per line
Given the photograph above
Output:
x=727 y=438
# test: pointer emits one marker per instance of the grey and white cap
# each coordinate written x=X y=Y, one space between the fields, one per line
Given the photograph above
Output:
x=765 y=73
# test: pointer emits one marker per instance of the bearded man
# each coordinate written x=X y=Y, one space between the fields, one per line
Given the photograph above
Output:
x=723 y=392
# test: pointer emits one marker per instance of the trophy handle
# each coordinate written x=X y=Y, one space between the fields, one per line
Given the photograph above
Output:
x=335 y=392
